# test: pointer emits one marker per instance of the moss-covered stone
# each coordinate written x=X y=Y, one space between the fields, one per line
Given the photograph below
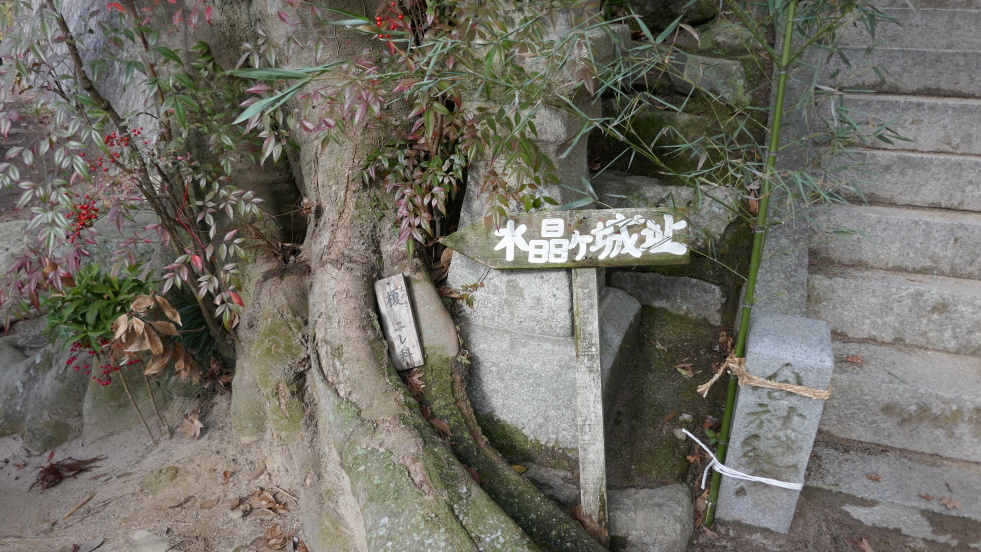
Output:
x=519 y=448
x=656 y=399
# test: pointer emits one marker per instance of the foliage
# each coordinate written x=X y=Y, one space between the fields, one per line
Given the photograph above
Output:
x=151 y=326
x=84 y=312
x=178 y=170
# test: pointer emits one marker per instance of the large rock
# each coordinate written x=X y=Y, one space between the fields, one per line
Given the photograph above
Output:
x=39 y=398
x=651 y=520
x=724 y=79
x=658 y=14
x=11 y=242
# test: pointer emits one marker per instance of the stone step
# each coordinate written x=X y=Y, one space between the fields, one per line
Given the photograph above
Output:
x=924 y=241
x=915 y=399
x=928 y=28
x=928 y=4
x=944 y=181
x=920 y=495
x=931 y=124
x=934 y=312
x=914 y=71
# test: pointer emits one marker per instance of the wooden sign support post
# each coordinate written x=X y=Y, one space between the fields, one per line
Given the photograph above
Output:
x=589 y=402
x=581 y=240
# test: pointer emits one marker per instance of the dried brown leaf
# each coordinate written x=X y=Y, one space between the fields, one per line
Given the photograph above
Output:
x=153 y=341
x=519 y=468
x=950 y=503
x=854 y=359
x=473 y=473
x=168 y=310
x=874 y=477
x=447 y=291
x=20 y=465
x=701 y=503
x=192 y=426
x=164 y=327
x=141 y=304
x=927 y=496
x=120 y=326
x=426 y=413
x=864 y=546
x=657 y=344
x=669 y=416
x=684 y=370
x=441 y=427
x=225 y=476
x=259 y=470
x=158 y=362
x=208 y=504
x=136 y=325
x=417 y=387
x=301 y=547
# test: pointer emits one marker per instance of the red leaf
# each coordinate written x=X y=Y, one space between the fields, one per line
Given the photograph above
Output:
x=259 y=89
x=197 y=262
x=116 y=6
x=207 y=14
x=236 y=298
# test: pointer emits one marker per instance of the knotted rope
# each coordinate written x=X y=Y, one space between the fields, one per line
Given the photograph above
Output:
x=737 y=366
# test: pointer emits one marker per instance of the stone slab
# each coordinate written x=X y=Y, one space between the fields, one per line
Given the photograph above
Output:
x=914 y=399
x=651 y=520
x=11 y=242
x=899 y=479
x=935 y=180
x=529 y=380
x=679 y=294
x=929 y=124
x=907 y=71
x=925 y=241
x=933 y=312
x=927 y=28
x=722 y=79
x=781 y=285
x=773 y=431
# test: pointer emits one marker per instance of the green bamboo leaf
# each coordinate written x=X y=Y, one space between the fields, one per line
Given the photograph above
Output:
x=269 y=74
x=169 y=54
x=271 y=103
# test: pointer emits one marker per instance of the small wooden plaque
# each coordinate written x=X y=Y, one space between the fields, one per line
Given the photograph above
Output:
x=398 y=323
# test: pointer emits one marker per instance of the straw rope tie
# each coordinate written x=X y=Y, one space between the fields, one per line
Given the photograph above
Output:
x=737 y=366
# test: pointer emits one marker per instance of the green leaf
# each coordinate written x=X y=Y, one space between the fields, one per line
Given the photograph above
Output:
x=271 y=103
x=268 y=74
x=667 y=32
x=169 y=54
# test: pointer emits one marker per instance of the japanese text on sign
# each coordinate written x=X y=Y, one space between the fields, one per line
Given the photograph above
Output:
x=633 y=236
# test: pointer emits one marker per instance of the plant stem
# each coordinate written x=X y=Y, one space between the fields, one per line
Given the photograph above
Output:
x=132 y=401
x=164 y=428
x=759 y=237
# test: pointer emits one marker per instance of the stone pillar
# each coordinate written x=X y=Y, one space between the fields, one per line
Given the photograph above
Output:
x=773 y=431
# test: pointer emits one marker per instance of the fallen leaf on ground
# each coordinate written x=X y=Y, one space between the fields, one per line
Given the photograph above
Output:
x=950 y=503
x=927 y=497
x=274 y=538
x=710 y=532
x=684 y=370
x=192 y=426
x=264 y=500
x=52 y=474
x=208 y=504
x=233 y=503
x=417 y=387
x=473 y=473
x=301 y=547
x=519 y=468
x=657 y=345
x=874 y=477
x=225 y=476
x=669 y=416
x=260 y=469
x=701 y=503
x=694 y=457
x=20 y=465
x=854 y=359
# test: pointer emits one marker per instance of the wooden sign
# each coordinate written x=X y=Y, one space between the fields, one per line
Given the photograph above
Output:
x=398 y=322
x=576 y=239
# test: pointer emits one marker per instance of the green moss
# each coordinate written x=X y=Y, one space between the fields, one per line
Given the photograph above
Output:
x=159 y=479
x=657 y=399
x=518 y=448
x=49 y=434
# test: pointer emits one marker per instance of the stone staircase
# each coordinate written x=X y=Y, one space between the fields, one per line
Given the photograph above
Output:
x=901 y=436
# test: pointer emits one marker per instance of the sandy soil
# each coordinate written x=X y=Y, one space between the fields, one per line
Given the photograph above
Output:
x=172 y=496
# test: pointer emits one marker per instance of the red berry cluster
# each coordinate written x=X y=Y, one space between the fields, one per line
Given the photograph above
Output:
x=84 y=214
x=106 y=368
x=390 y=20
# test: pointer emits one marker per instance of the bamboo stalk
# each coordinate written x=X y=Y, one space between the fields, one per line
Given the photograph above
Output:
x=759 y=238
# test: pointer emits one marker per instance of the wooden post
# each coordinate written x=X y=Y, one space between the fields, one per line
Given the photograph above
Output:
x=589 y=402
x=398 y=322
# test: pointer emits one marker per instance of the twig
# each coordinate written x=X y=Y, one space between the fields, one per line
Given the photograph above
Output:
x=76 y=508
x=137 y=408
x=164 y=428
x=280 y=489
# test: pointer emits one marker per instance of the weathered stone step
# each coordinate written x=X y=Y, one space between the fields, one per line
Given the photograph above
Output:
x=927 y=4
x=946 y=125
x=924 y=241
x=928 y=28
x=934 y=312
x=908 y=398
x=891 y=486
x=944 y=181
x=908 y=71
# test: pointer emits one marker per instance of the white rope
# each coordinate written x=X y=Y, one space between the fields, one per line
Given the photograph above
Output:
x=727 y=471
